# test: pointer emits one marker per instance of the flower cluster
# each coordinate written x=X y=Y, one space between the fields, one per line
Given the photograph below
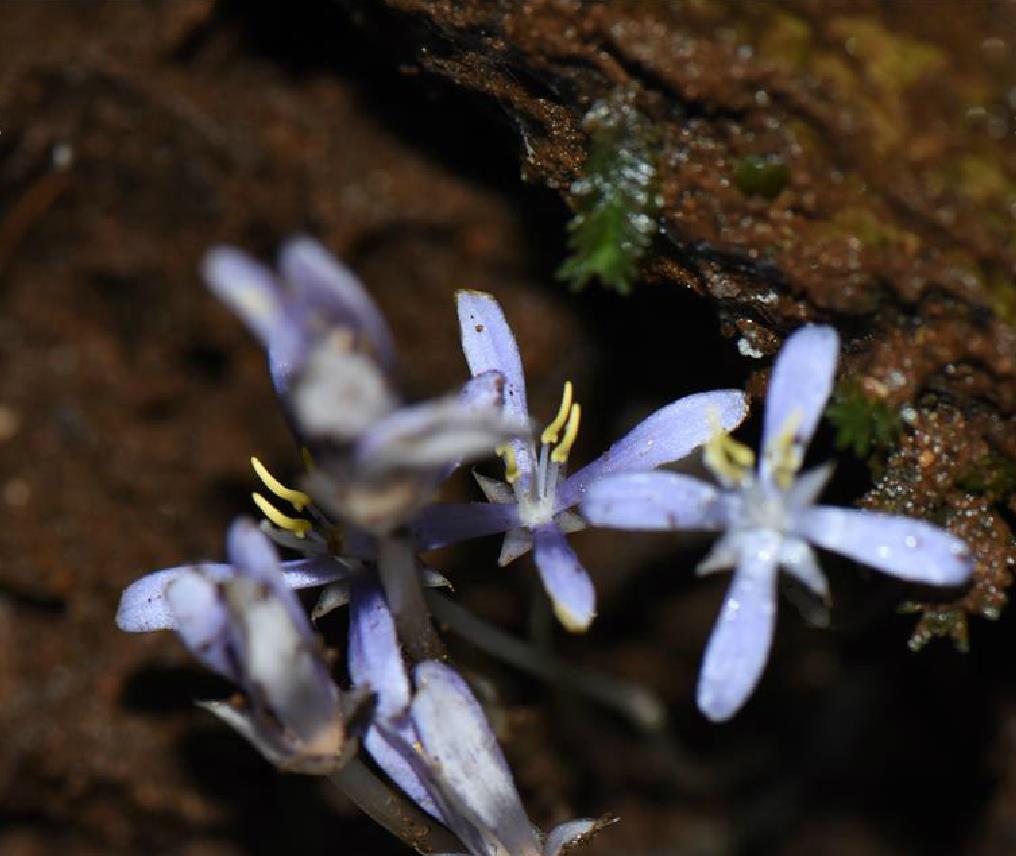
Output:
x=366 y=508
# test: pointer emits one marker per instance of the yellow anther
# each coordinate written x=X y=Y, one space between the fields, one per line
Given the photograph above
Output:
x=511 y=467
x=571 y=431
x=308 y=459
x=726 y=457
x=298 y=526
x=297 y=498
x=784 y=453
x=553 y=430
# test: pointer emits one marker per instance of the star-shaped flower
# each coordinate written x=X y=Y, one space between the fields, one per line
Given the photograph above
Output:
x=534 y=505
x=769 y=520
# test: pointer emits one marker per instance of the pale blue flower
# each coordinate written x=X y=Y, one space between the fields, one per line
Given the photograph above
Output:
x=769 y=520
x=432 y=739
x=534 y=506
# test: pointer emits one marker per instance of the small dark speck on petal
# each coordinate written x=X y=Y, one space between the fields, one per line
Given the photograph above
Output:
x=479 y=328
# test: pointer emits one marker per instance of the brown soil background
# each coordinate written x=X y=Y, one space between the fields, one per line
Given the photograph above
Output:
x=133 y=135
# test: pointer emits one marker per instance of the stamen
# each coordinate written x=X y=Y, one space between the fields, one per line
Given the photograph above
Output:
x=783 y=453
x=561 y=451
x=296 y=525
x=297 y=498
x=511 y=467
x=308 y=459
x=727 y=458
x=552 y=431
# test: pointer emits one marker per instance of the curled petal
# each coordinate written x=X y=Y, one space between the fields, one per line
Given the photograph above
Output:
x=333 y=291
x=740 y=642
x=566 y=581
x=254 y=557
x=799 y=387
x=486 y=390
x=669 y=434
x=471 y=769
x=489 y=344
x=143 y=606
x=448 y=523
x=657 y=500
x=434 y=434
x=910 y=549
x=199 y=613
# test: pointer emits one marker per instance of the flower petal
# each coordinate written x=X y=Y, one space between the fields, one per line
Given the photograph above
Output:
x=488 y=343
x=252 y=292
x=143 y=606
x=253 y=556
x=740 y=642
x=375 y=662
x=799 y=387
x=566 y=581
x=668 y=435
x=199 y=613
x=448 y=523
x=375 y=658
x=657 y=500
x=339 y=394
x=516 y=543
x=566 y=833
x=282 y=671
x=455 y=734
x=333 y=291
x=435 y=433
x=904 y=547
x=799 y=560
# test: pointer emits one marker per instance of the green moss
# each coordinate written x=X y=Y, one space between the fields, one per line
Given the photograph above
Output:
x=992 y=475
x=615 y=200
x=862 y=425
x=758 y=175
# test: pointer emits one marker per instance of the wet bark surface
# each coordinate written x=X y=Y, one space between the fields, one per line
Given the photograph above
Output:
x=846 y=163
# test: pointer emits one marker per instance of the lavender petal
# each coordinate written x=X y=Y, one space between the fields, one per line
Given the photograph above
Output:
x=656 y=500
x=448 y=523
x=667 y=435
x=516 y=543
x=199 y=614
x=455 y=734
x=566 y=581
x=143 y=606
x=375 y=658
x=336 y=293
x=910 y=549
x=436 y=433
x=252 y=292
x=799 y=387
x=488 y=343
x=739 y=646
